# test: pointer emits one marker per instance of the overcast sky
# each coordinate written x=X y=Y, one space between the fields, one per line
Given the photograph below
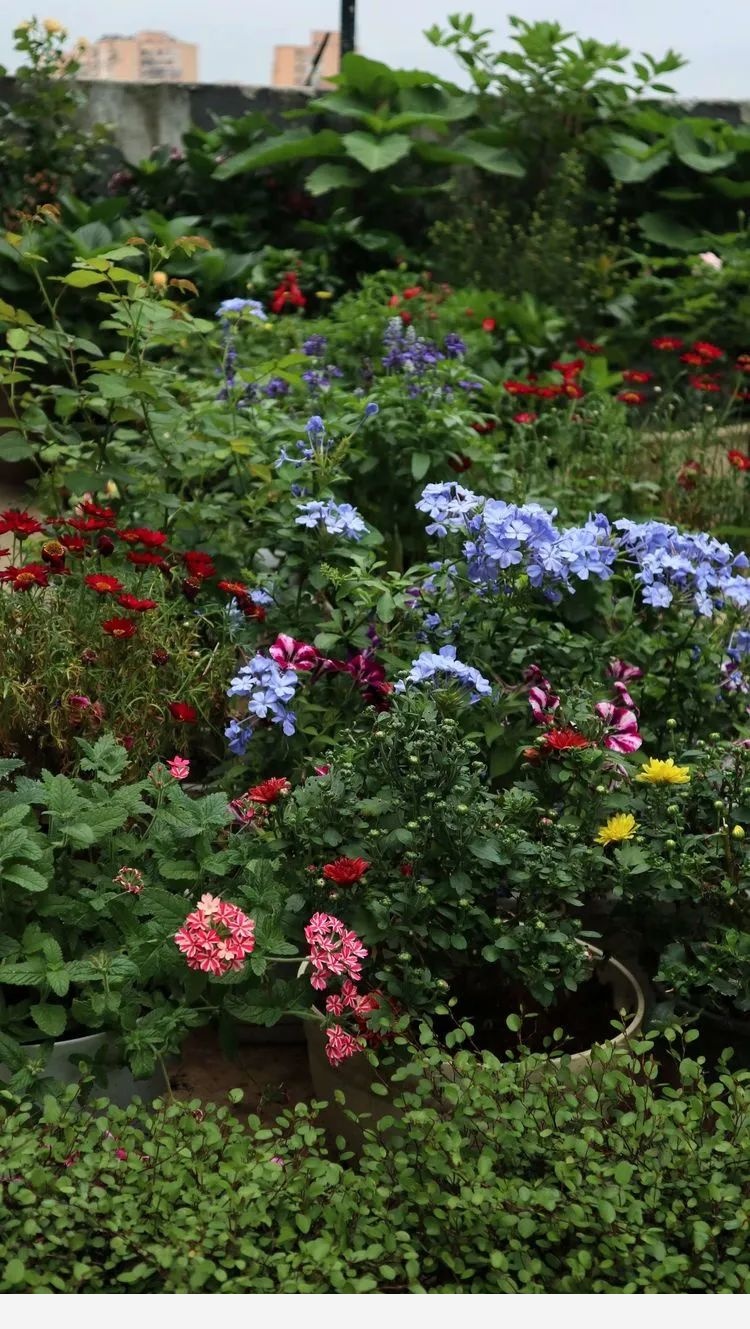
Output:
x=236 y=37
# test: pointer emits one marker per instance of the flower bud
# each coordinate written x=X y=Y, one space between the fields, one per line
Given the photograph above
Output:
x=673 y=809
x=671 y=724
x=105 y=545
x=159 y=656
x=719 y=804
x=738 y=832
x=670 y=844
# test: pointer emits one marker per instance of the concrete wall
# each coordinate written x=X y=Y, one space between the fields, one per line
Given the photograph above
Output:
x=146 y=115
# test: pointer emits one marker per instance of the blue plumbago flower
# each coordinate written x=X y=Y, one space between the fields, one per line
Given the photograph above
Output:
x=277 y=387
x=237 y=304
x=455 y=347
x=268 y=689
x=448 y=505
x=444 y=667
x=733 y=677
x=315 y=344
x=337 y=518
x=693 y=568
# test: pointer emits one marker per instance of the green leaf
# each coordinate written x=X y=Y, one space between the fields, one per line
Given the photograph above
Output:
x=17 y=339
x=294 y=145
x=82 y=277
x=50 y=1019
x=661 y=229
x=623 y=1172
x=331 y=175
x=630 y=169
x=514 y=1023
x=607 y=1211
x=15 y=1272
x=420 y=464
x=386 y=607
x=25 y=877
x=698 y=153
x=376 y=154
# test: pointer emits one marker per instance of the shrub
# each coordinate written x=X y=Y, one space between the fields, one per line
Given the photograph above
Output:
x=517 y=1182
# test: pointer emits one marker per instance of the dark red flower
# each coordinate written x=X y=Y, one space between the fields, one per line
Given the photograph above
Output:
x=190 y=587
x=135 y=604
x=517 y=388
x=20 y=524
x=103 y=584
x=568 y=368
x=743 y=363
x=406 y=870
x=548 y=392
x=412 y=292
x=53 y=552
x=708 y=350
x=250 y=609
x=636 y=376
x=75 y=544
x=489 y=324
x=704 y=383
x=346 y=871
x=406 y=316
x=27 y=577
x=573 y=390
x=87 y=523
x=183 y=712
x=563 y=740
x=198 y=564
x=159 y=656
x=631 y=397
x=484 y=426
x=694 y=359
x=268 y=791
x=92 y=509
x=688 y=473
x=667 y=343
x=105 y=545
x=119 y=627
x=590 y=347
x=141 y=535
x=525 y=417
x=146 y=560
x=459 y=463
x=739 y=460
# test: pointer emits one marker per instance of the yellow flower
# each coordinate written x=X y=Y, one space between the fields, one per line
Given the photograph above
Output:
x=324 y=295
x=623 y=826
x=663 y=772
x=51 y=26
x=160 y=280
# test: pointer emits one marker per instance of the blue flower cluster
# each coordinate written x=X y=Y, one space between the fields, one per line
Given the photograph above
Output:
x=444 y=667
x=318 y=380
x=237 y=305
x=316 y=344
x=268 y=689
x=337 y=518
x=697 y=569
x=694 y=568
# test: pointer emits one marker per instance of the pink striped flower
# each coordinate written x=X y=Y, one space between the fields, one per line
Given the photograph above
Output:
x=335 y=952
x=292 y=654
x=179 y=767
x=340 y=1044
x=216 y=937
x=622 y=723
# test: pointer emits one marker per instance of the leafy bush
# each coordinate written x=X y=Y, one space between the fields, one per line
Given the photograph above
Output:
x=517 y=1183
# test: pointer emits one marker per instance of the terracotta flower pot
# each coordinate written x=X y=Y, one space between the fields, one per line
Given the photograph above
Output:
x=62 y=1059
x=355 y=1076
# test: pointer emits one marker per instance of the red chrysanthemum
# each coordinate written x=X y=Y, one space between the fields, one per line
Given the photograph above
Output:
x=573 y=390
x=20 y=524
x=667 y=343
x=92 y=509
x=694 y=359
x=564 y=740
x=233 y=587
x=412 y=292
x=739 y=460
x=27 y=577
x=88 y=523
x=141 y=535
x=119 y=627
x=704 y=383
x=631 y=397
x=708 y=350
x=489 y=324
x=590 y=347
x=525 y=417
x=568 y=368
x=269 y=791
x=636 y=376
x=743 y=363
x=183 y=712
x=346 y=871
x=547 y=392
x=146 y=560
x=53 y=552
x=135 y=604
x=75 y=544
x=517 y=388
x=103 y=584
x=484 y=426
x=198 y=564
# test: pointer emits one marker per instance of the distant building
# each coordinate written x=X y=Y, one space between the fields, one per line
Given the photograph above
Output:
x=148 y=57
x=292 y=64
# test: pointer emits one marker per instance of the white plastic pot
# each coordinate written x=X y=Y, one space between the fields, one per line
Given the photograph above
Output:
x=61 y=1062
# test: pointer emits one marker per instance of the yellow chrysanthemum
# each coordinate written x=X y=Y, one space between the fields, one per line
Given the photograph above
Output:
x=621 y=827
x=663 y=772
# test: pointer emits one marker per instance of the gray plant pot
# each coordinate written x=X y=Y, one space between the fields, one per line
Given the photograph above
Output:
x=61 y=1062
